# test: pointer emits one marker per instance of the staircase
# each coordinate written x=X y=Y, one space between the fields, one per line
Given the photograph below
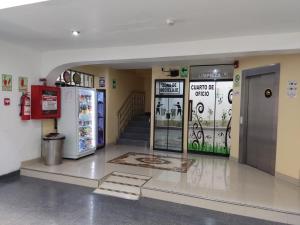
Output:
x=137 y=132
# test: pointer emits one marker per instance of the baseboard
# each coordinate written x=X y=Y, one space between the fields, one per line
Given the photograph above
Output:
x=10 y=175
x=235 y=159
x=287 y=178
x=30 y=161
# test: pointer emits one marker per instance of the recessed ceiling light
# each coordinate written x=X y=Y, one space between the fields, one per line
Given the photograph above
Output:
x=170 y=21
x=4 y=4
x=75 y=33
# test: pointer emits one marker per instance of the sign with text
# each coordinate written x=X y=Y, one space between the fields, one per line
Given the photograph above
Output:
x=211 y=72
x=169 y=87
x=23 y=84
x=6 y=82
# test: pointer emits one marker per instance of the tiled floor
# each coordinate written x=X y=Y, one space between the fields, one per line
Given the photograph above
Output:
x=210 y=177
x=29 y=201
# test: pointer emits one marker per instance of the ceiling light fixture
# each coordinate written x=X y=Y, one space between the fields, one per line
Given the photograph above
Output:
x=4 y=4
x=170 y=21
x=75 y=33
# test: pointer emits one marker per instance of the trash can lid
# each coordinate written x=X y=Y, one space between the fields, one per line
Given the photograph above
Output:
x=54 y=136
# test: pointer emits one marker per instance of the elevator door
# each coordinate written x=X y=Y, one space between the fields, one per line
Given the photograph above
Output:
x=261 y=119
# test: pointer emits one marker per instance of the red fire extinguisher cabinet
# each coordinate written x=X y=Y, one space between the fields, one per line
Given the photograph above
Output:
x=45 y=102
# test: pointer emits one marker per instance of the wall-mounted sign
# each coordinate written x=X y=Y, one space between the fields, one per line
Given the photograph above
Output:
x=102 y=82
x=6 y=101
x=49 y=102
x=114 y=83
x=6 y=82
x=23 y=84
x=169 y=87
x=292 y=88
x=184 y=71
x=211 y=72
x=237 y=81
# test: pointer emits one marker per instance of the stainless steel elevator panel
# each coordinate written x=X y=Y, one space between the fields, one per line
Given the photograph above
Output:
x=262 y=122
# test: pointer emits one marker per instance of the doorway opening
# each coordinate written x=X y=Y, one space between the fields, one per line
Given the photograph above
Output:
x=259 y=116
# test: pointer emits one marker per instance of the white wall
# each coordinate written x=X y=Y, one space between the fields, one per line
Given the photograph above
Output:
x=19 y=140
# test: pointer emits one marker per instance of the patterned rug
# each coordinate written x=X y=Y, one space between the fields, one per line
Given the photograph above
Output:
x=154 y=161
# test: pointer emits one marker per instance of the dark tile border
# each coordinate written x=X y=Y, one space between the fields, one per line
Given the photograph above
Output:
x=13 y=174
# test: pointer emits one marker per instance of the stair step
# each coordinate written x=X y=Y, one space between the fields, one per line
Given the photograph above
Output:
x=138 y=124
x=117 y=194
x=138 y=129
x=126 y=141
x=122 y=185
x=137 y=136
x=144 y=119
x=131 y=176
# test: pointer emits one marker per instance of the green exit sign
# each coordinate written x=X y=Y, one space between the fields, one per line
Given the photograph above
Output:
x=184 y=71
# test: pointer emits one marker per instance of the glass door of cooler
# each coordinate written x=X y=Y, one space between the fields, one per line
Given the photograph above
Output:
x=101 y=118
x=86 y=120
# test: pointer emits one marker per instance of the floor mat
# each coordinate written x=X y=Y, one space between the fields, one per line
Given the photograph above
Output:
x=154 y=161
x=122 y=185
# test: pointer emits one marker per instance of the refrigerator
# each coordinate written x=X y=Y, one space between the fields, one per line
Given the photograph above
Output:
x=78 y=121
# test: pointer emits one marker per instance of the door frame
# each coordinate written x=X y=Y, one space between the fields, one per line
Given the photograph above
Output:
x=183 y=109
x=275 y=71
x=104 y=103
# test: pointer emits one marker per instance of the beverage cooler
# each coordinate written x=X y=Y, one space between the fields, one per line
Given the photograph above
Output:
x=78 y=121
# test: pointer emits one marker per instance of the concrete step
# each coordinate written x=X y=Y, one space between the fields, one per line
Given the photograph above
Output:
x=138 y=136
x=141 y=118
x=122 y=185
x=138 y=124
x=137 y=129
x=127 y=141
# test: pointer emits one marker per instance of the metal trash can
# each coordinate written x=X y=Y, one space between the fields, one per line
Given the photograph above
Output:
x=52 y=148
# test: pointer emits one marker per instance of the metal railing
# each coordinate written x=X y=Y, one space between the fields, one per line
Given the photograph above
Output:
x=133 y=105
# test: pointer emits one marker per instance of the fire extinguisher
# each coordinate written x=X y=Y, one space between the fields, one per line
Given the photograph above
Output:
x=25 y=110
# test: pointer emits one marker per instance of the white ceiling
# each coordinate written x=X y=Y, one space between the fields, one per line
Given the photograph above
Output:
x=105 y=23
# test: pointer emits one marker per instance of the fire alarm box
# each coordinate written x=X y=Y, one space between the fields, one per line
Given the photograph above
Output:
x=45 y=102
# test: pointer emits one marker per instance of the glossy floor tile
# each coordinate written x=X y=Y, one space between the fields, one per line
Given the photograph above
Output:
x=30 y=201
x=210 y=177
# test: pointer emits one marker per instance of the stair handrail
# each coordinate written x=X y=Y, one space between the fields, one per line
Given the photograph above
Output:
x=132 y=106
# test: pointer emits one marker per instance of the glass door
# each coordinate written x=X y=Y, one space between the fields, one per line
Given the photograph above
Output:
x=210 y=117
x=101 y=118
x=223 y=117
x=162 y=116
x=202 y=110
x=168 y=124
x=86 y=120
